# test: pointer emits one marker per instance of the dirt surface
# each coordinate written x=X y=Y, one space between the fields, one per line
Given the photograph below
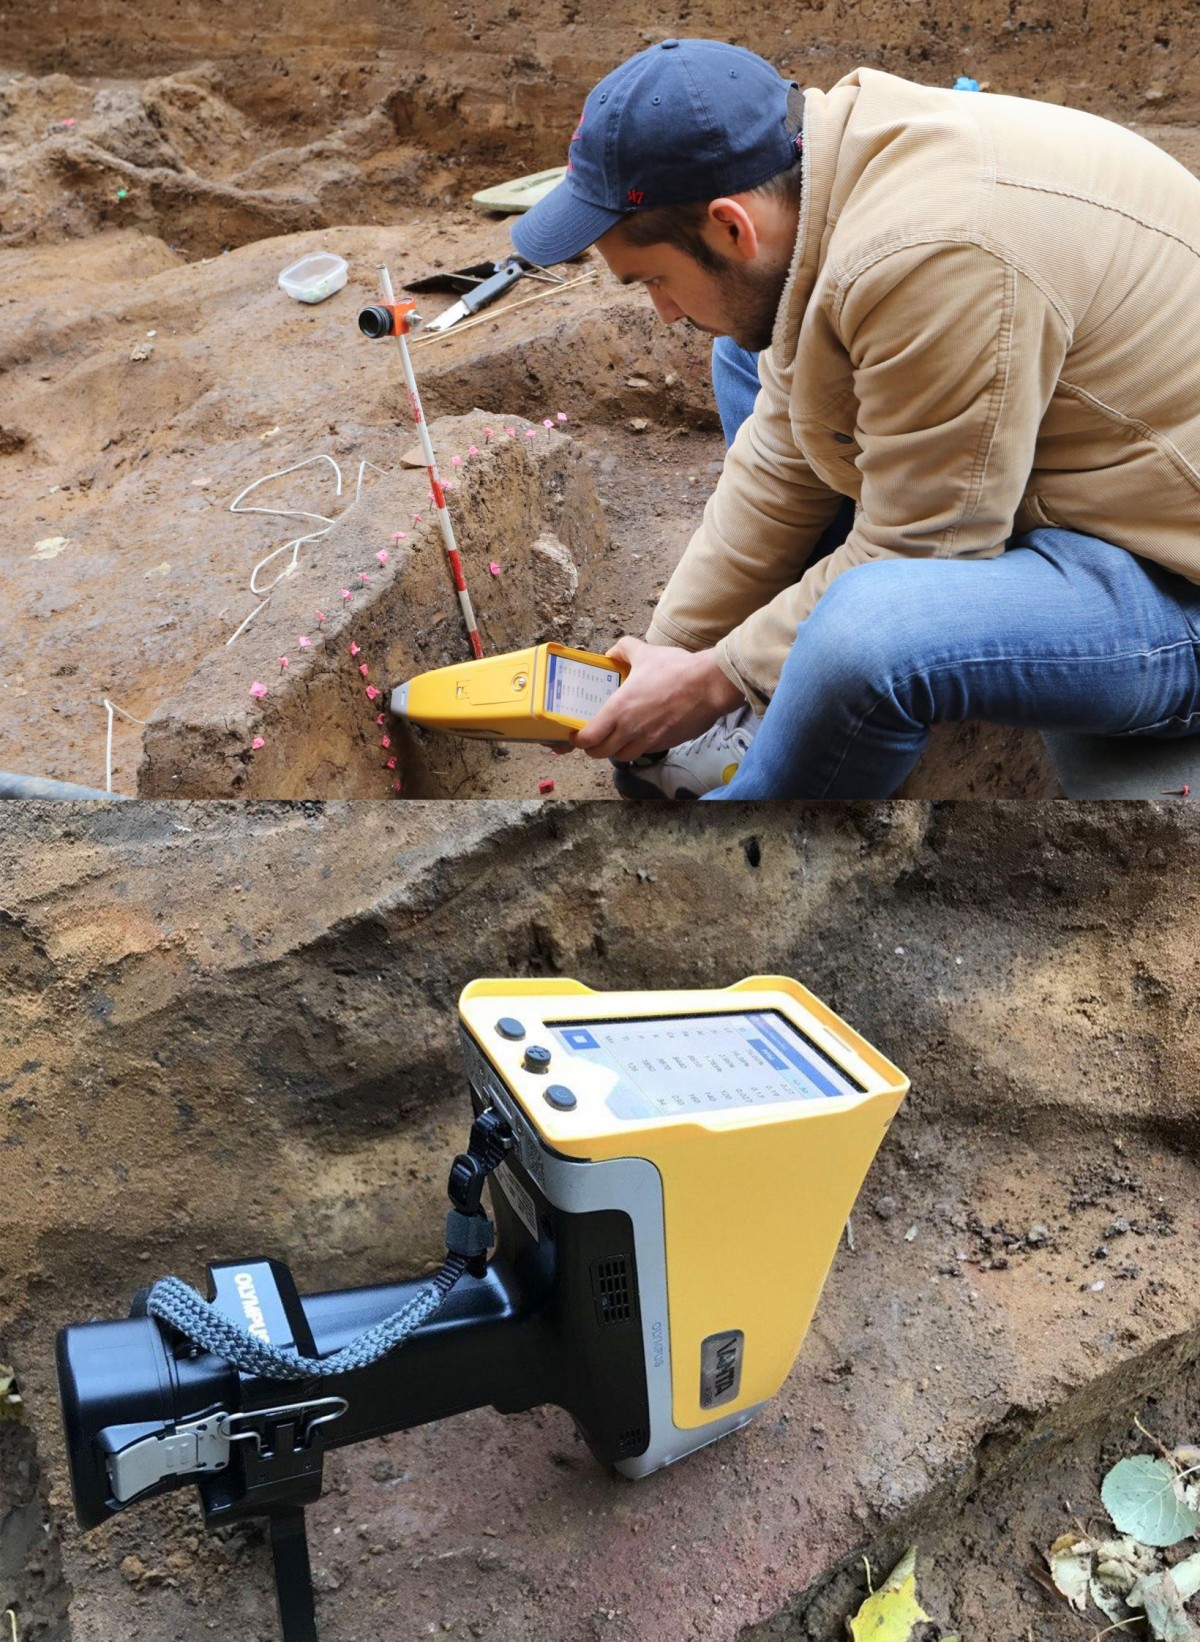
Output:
x=232 y=1026
x=149 y=454
x=155 y=180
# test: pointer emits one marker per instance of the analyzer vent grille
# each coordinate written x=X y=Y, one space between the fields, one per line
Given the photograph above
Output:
x=633 y=1441
x=611 y=1290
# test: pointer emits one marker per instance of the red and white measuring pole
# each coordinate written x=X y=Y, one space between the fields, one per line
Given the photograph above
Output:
x=401 y=323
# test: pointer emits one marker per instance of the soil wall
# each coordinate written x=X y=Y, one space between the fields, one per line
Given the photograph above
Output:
x=513 y=76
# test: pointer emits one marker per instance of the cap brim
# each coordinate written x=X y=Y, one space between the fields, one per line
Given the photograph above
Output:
x=560 y=226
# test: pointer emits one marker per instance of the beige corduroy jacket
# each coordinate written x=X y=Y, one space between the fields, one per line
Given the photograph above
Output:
x=991 y=322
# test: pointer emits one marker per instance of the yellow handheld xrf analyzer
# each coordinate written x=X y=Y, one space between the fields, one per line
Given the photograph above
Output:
x=732 y=1130
x=669 y=1174
x=539 y=694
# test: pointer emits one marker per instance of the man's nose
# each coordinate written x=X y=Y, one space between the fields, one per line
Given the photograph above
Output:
x=666 y=310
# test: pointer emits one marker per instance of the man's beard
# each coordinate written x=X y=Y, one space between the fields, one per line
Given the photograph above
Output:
x=751 y=295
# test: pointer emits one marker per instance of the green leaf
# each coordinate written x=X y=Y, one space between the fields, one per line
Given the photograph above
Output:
x=1139 y=1495
x=892 y=1612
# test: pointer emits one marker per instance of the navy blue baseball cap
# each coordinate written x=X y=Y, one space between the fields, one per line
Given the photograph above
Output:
x=686 y=120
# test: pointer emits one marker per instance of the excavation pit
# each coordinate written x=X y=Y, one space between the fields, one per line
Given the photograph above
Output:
x=155 y=178
x=372 y=604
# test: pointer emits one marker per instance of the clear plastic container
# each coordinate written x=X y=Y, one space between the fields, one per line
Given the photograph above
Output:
x=315 y=276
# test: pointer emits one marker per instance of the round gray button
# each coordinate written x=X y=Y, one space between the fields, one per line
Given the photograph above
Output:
x=668 y=45
x=509 y=1028
x=537 y=1059
x=560 y=1097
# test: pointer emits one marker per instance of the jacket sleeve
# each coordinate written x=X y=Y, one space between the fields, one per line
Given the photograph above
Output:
x=760 y=526
x=955 y=356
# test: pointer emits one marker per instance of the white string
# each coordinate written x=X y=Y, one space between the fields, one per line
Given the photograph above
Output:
x=285 y=513
x=113 y=708
x=296 y=542
x=247 y=621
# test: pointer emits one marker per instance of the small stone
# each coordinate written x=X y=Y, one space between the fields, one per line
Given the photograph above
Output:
x=1036 y=1236
x=324 y=1579
x=1119 y=1227
x=884 y=1207
x=638 y=424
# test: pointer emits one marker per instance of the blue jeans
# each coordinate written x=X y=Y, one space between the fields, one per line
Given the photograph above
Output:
x=735 y=384
x=1061 y=631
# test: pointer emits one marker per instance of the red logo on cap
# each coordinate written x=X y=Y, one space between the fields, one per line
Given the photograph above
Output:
x=576 y=137
x=635 y=196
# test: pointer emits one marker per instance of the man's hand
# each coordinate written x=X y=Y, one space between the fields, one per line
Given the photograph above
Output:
x=670 y=696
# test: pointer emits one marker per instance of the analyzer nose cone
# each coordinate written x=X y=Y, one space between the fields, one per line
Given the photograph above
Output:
x=400 y=701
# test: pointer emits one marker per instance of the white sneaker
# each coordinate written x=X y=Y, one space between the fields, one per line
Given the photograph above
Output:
x=694 y=767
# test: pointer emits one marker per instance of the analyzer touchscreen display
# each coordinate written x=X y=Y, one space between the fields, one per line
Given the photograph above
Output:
x=578 y=689
x=690 y=1064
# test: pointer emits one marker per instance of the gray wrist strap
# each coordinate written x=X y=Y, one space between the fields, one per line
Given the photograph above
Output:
x=175 y=1302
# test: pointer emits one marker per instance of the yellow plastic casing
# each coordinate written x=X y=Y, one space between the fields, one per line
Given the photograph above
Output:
x=501 y=698
x=755 y=1199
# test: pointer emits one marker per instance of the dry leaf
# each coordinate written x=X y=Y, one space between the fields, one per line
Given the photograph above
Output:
x=1120 y=1563
x=892 y=1612
x=1159 y=1595
x=1070 y=1563
x=12 y=1406
x=50 y=547
x=1185 y=1576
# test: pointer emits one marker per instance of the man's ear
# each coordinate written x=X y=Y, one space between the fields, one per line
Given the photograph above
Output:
x=732 y=229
